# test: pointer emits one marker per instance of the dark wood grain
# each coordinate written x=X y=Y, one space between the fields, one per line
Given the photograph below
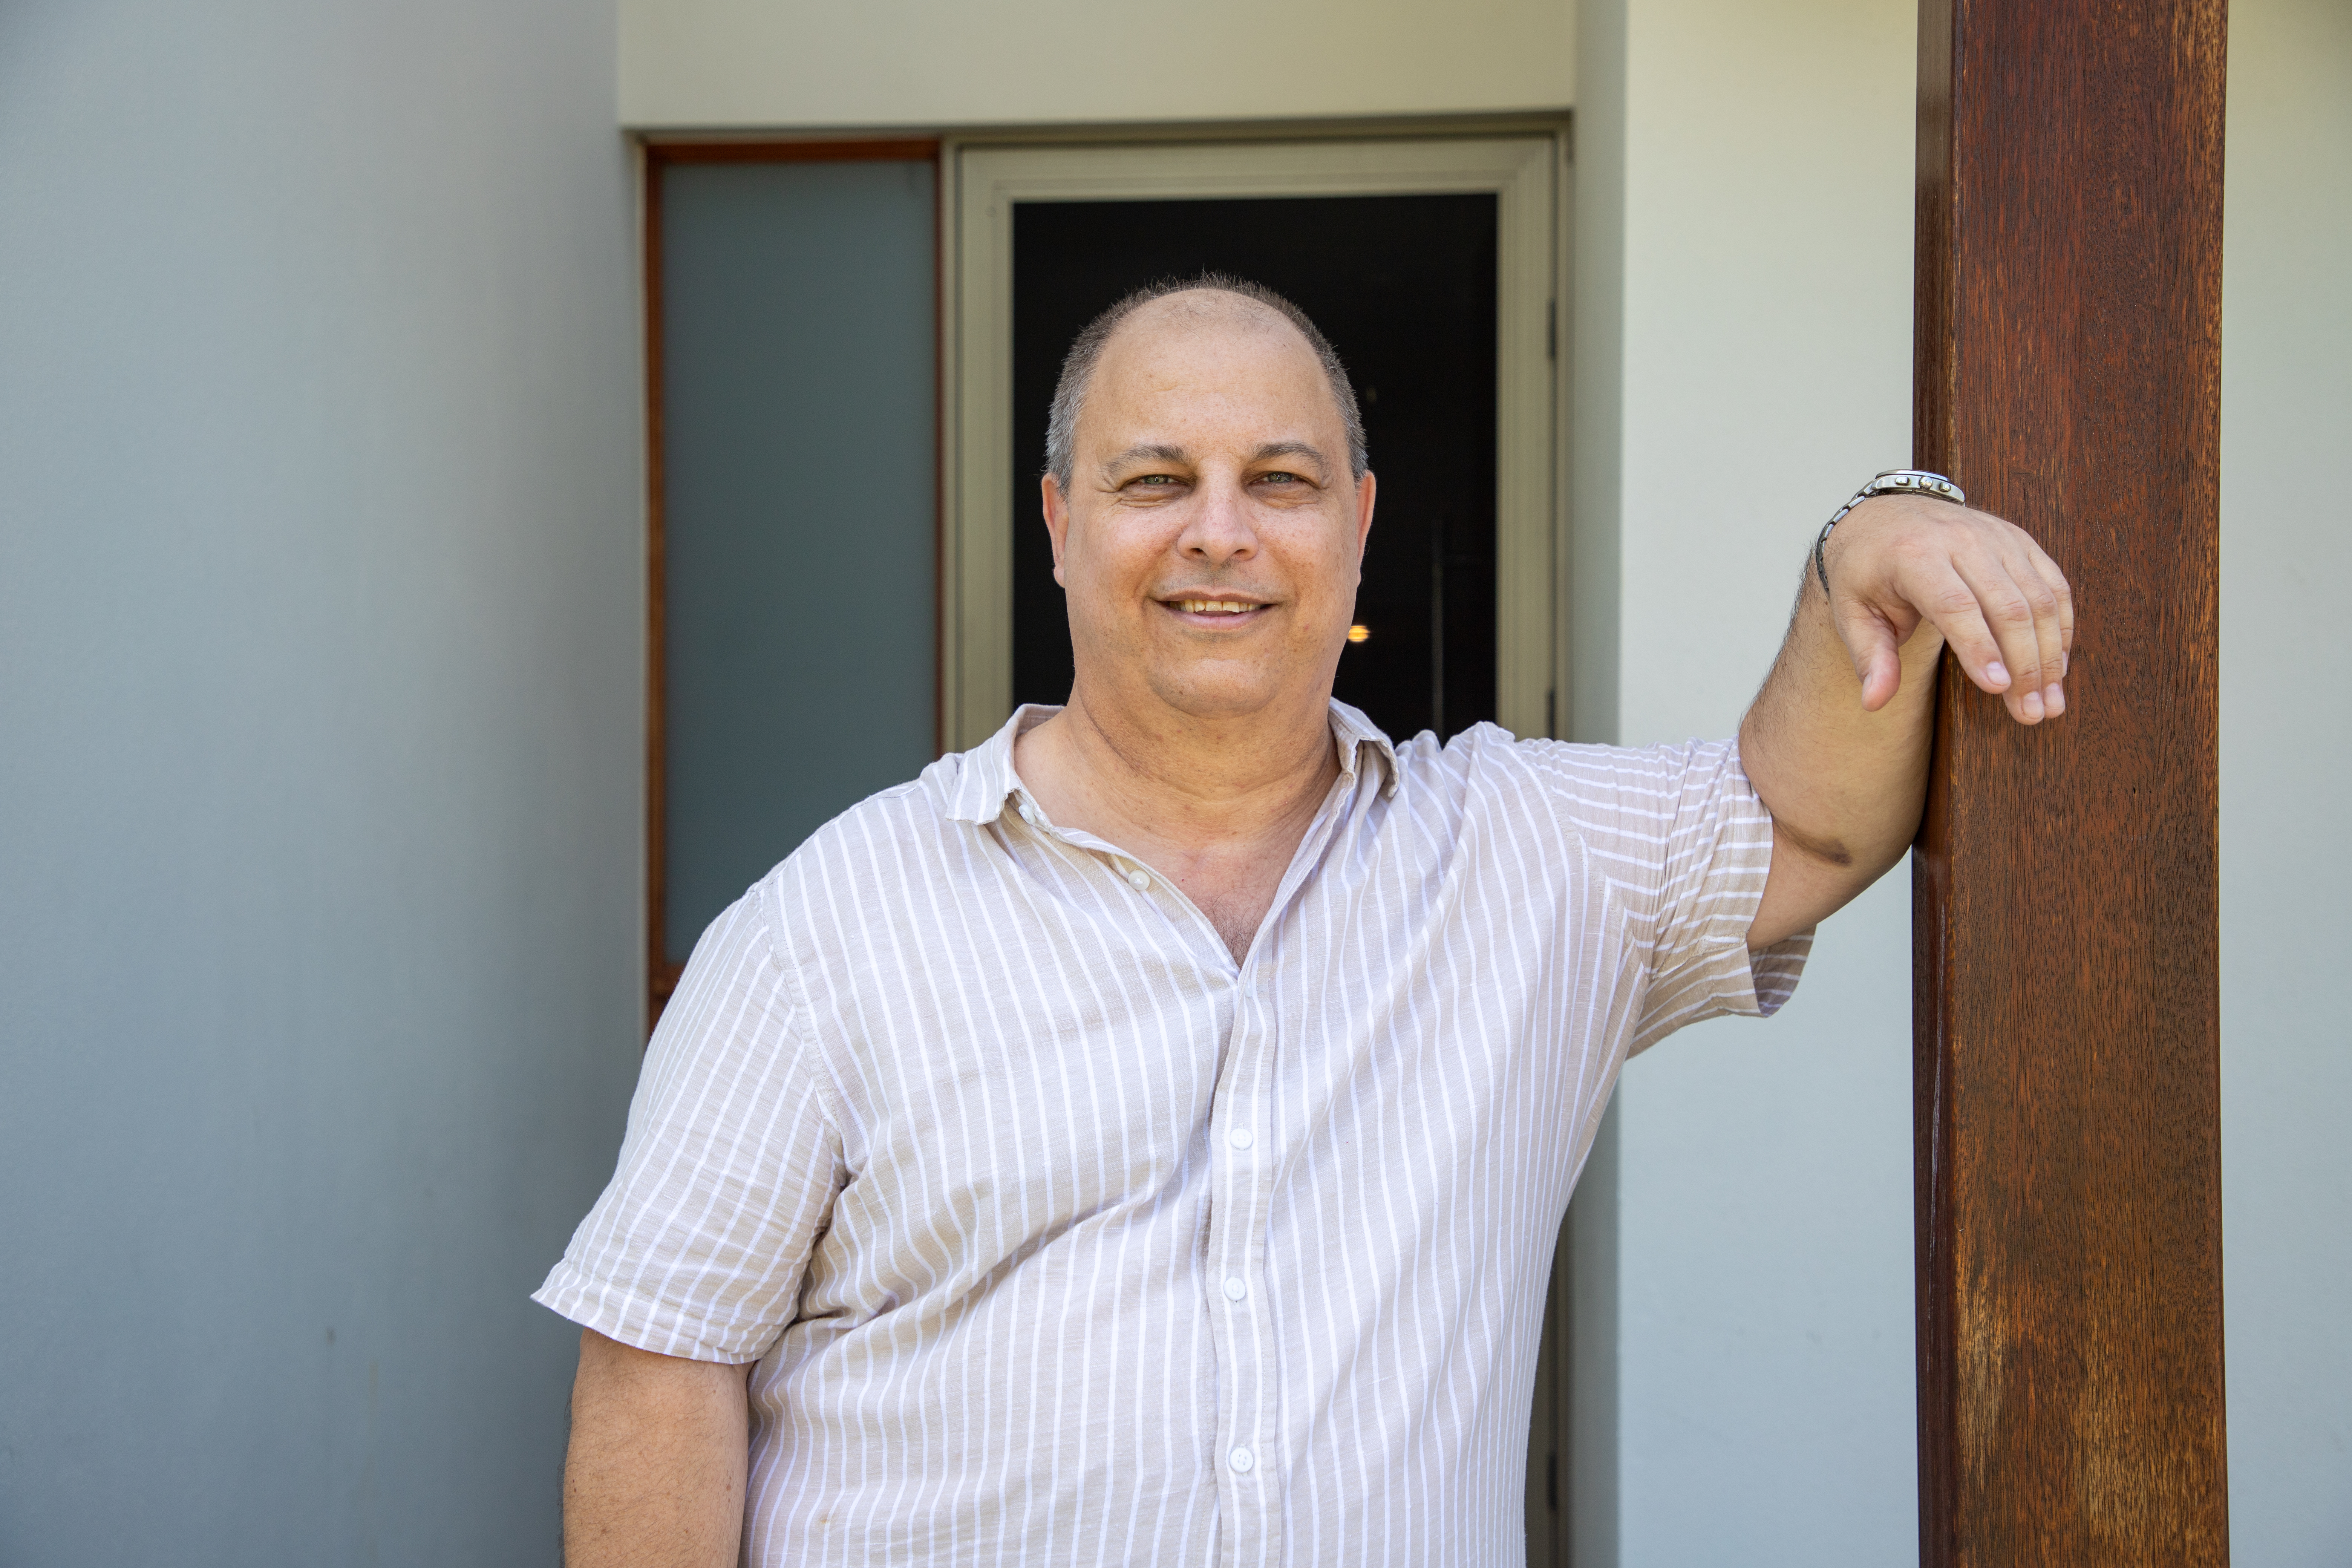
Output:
x=2065 y=912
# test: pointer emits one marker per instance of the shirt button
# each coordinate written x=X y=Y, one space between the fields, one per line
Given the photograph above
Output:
x=1243 y=1461
x=1139 y=880
x=1234 y=1289
x=1239 y=1137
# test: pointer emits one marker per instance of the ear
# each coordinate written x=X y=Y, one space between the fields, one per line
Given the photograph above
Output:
x=1364 y=489
x=1058 y=520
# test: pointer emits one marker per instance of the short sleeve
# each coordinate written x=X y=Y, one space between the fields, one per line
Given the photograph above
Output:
x=728 y=1172
x=1685 y=845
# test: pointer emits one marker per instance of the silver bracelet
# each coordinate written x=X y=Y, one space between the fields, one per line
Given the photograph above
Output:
x=1894 y=481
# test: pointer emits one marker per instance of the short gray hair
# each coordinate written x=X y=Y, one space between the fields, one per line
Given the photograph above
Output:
x=1086 y=349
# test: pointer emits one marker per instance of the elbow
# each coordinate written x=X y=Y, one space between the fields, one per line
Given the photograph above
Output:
x=1833 y=852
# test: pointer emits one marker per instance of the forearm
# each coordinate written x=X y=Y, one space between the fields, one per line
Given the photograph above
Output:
x=1837 y=741
x=655 y=1474
x=1845 y=786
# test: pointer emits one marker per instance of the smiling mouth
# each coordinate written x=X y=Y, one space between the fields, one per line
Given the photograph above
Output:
x=1212 y=606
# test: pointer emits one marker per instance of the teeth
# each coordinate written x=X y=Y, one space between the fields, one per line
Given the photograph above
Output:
x=1215 y=606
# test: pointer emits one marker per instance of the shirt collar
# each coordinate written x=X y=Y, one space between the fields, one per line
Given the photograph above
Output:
x=1354 y=731
x=987 y=779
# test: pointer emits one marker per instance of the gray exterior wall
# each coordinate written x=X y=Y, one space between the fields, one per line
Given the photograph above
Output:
x=320 y=805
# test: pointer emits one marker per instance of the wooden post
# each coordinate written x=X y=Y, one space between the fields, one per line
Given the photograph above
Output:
x=2065 y=916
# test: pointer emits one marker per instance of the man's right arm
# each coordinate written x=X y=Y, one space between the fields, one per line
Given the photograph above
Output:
x=655 y=1475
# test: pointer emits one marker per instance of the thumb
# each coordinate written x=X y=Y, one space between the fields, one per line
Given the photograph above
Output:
x=1877 y=656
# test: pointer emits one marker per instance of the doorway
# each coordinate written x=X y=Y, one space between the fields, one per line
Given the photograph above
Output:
x=790 y=288
x=1404 y=286
x=1434 y=264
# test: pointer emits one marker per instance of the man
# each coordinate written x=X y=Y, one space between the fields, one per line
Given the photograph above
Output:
x=1141 y=1139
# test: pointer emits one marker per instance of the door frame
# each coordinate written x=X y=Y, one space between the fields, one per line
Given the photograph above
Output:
x=1525 y=172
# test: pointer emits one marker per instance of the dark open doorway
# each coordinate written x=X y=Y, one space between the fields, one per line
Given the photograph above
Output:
x=1404 y=286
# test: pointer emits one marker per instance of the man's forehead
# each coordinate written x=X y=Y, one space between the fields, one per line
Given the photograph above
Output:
x=1207 y=307
x=1160 y=350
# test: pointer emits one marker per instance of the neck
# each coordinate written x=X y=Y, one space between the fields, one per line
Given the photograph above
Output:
x=1174 y=785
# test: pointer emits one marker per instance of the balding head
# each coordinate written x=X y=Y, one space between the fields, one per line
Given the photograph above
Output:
x=1212 y=299
x=1210 y=536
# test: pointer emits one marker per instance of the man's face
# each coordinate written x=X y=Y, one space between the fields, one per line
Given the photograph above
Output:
x=1211 y=541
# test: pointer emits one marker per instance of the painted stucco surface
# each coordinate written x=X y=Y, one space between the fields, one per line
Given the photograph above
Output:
x=688 y=64
x=2286 y=751
x=319 y=611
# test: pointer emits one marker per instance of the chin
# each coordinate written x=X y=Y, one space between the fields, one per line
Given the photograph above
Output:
x=1208 y=695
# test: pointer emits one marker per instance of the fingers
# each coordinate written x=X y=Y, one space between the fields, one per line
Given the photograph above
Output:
x=2053 y=626
x=2049 y=571
x=2001 y=604
x=2008 y=614
x=2005 y=609
x=2015 y=628
x=1951 y=603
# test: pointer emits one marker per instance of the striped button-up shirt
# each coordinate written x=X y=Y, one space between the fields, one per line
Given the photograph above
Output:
x=1061 y=1237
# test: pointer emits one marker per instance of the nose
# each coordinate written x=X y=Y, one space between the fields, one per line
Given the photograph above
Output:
x=1219 y=533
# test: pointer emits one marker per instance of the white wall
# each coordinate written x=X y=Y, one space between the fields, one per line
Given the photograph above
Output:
x=789 y=63
x=1755 y=270
x=320 y=718
x=2286 y=752
x=1745 y=226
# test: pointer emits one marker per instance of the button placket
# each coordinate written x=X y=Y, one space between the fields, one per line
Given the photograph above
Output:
x=1244 y=1331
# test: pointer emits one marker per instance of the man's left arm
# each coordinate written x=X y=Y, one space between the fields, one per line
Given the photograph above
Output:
x=1836 y=744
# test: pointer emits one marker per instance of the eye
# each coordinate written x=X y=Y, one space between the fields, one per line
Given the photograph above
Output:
x=1280 y=476
x=1156 y=481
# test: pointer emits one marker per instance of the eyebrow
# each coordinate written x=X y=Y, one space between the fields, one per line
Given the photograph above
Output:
x=1156 y=452
x=1289 y=449
x=1159 y=452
